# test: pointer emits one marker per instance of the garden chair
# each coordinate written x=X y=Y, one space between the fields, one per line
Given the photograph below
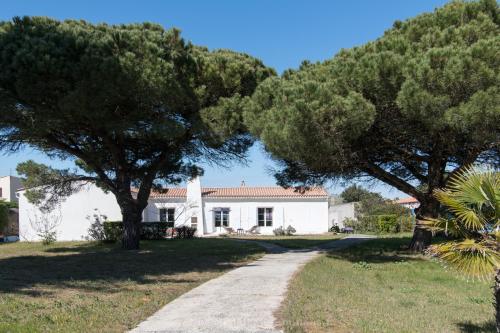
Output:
x=229 y=230
x=253 y=230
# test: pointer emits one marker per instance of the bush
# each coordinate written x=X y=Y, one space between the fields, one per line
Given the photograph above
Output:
x=45 y=225
x=406 y=223
x=96 y=229
x=388 y=223
x=154 y=230
x=279 y=231
x=349 y=222
x=368 y=223
x=335 y=228
x=48 y=237
x=113 y=231
x=382 y=223
x=290 y=230
x=4 y=215
x=185 y=232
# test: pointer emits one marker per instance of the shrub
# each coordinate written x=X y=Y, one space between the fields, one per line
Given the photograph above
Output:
x=96 y=229
x=290 y=230
x=113 y=231
x=335 y=228
x=48 y=237
x=368 y=223
x=349 y=222
x=381 y=223
x=154 y=230
x=4 y=215
x=406 y=223
x=388 y=223
x=185 y=232
x=45 y=225
x=279 y=231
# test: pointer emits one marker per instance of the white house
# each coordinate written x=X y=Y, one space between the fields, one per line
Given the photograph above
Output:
x=9 y=185
x=210 y=210
x=409 y=202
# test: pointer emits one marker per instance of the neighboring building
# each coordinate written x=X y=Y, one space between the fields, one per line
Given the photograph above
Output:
x=338 y=212
x=9 y=185
x=210 y=210
x=409 y=202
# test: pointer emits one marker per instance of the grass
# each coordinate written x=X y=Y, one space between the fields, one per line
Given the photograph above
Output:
x=380 y=287
x=88 y=287
x=294 y=241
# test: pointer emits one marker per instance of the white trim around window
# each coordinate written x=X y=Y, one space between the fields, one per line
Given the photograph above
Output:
x=265 y=216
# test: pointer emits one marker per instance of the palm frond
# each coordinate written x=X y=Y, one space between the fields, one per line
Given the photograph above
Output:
x=449 y=226
x=474 y=259
x=467 y=187
x=473 y=196
x=465 y=214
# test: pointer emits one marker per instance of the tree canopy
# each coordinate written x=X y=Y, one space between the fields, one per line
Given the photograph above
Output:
x=409 y=109
x=133 y=105
x=356 y=193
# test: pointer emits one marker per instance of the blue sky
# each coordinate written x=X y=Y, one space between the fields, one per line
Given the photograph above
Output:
x=281 y=33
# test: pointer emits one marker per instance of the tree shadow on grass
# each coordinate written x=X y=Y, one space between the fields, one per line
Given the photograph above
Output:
x=379 y=250
x=468 y=327
x=293 y=242
x=95 y=267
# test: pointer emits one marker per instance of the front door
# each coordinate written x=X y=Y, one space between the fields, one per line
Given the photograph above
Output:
x=265 y=219
x=221 y=218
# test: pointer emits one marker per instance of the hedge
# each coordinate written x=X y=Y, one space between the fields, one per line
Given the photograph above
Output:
x=388 y=223
x=113 y=230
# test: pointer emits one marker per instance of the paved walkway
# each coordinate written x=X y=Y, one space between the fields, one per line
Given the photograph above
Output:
x=240 y=301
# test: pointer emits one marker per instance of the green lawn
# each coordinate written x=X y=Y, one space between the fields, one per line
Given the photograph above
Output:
x=379 y=287
x=86 y=287
x=295 y=241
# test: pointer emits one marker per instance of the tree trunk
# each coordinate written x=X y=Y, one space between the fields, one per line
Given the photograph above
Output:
x=132 y=218
x=421 y=239
x=429 y=208
x=497 y=298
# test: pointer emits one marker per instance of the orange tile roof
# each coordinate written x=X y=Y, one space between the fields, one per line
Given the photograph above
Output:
x=245 y=192
x=407 y=200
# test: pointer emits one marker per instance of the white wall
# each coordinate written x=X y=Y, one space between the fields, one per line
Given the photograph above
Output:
x=337 y=213
x=306 y=216
x=72 y=213
x=9 y=186
x=152 y=211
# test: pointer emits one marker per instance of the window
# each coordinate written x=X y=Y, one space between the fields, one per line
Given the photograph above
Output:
x=167 y=215
x=221 y=217
x=194 y=222
x=265 y=217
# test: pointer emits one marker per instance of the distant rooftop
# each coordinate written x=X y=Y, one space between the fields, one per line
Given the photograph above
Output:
x=245 y=192
x=408 y=200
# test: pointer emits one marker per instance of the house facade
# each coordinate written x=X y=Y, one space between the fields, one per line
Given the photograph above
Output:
x=209 y=210
x=9 y=185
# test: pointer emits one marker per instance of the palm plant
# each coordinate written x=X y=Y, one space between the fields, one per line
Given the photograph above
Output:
x=472 y=202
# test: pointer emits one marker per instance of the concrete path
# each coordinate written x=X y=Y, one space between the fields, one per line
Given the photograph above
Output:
x=240 y=301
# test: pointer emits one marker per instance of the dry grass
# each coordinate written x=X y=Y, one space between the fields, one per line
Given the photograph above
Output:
x=295 y=241
x=87 y=287
x=378 y=287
